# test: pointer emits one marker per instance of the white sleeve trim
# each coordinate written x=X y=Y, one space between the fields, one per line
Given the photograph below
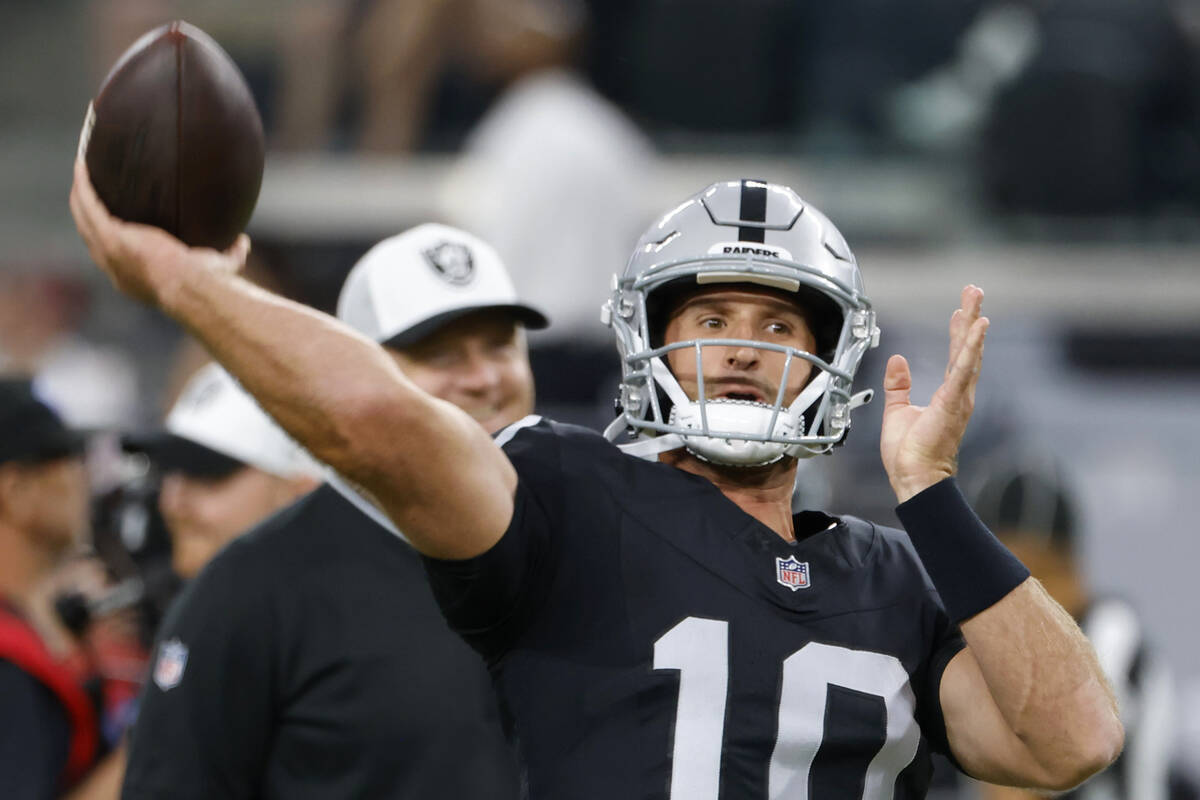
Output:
x=506 y=435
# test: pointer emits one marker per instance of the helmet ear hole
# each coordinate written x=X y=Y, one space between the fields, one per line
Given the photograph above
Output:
x=825 y=319
x=661 y=303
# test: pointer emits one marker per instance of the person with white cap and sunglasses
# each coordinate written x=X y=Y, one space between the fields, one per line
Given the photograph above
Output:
x=310 y=658
x=225 y=465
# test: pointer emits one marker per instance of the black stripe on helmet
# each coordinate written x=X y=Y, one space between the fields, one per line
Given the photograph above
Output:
x=753 y=209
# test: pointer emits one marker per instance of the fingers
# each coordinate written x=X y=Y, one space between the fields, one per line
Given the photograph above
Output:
x=963 y=373
x=233 y=258
x=971 y=303
x=240 y=249
x=897 y=383
x=89 y=212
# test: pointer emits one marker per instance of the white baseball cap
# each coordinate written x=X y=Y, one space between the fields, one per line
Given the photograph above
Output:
x=216 y=426
x=411 y=284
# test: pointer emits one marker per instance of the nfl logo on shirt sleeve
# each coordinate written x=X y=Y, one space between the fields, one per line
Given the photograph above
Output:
x=172 y=658
x=791 y=573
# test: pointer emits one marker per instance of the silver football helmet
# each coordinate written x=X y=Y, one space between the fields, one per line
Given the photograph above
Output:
x=740 y=232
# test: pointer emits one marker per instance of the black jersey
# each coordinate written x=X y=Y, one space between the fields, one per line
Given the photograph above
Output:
x=309 y=660
x=649 y=639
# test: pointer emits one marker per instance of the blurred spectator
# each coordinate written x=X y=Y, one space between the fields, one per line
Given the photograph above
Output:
x=1103 y=119
x=1023 y=497
x=945 y=109
x=41 y=312
x=49 y=733
x=710 y=66
x=859 y=53
x=400 y=75
x=318 y=629
x=263 y=37
x=225 y=466
x=556 y=178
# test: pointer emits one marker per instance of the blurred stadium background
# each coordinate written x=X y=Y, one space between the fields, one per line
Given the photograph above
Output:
x=1047 y=150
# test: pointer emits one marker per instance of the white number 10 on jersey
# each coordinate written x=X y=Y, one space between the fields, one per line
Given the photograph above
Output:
x=699 y=649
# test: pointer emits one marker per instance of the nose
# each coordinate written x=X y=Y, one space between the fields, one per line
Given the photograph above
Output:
x=479 y=374
x=741 y=357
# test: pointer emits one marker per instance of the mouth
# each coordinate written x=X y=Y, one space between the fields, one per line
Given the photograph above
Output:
x=740 y=392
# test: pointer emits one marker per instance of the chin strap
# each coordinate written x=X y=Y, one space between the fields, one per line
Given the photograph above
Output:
x=810 y=393
x=615 y=427
x=650 y=447
x=664 y=378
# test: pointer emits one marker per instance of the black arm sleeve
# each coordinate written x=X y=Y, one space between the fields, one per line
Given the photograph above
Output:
x=207 y=734
x=35 y=736
x=489 y=599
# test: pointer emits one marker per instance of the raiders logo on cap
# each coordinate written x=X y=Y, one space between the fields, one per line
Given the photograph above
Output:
x=453 y=261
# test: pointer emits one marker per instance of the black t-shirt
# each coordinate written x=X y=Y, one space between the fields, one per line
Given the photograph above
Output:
x=35 y=735
x=649 y=639
x=309 y=660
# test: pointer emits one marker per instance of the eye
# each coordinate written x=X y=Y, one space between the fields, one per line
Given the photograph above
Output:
x=712 y=323
x=439 y=358
x=779 y=328
x=502 y=351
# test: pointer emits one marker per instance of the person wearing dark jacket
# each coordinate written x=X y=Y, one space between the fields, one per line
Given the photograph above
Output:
x=309 y=658
x=49 y=731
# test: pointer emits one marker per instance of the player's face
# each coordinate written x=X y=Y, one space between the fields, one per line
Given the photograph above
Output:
x=477 y=362
x=203 y=514
x=739 y=372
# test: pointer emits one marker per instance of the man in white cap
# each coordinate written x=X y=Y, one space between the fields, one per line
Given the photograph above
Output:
x=310 y=658
x=226 y=466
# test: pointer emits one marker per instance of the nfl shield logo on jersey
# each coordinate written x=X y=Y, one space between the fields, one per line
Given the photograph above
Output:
x=791 y=573
x=172 y=658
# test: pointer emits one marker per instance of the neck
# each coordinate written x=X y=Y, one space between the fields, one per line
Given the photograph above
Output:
x=764 y=493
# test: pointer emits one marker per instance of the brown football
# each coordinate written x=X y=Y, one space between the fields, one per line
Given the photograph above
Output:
x=175 y=138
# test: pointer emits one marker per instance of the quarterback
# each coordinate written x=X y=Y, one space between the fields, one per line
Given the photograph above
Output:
x=658 y=623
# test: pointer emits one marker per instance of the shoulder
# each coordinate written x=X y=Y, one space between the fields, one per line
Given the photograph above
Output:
x=536 y=433
x=19 y=689
x=886 y=552
x=34 y=736
x=308 y=516
x=323 y=523
x=28 y=706
x=536 y=445
x=231 y=591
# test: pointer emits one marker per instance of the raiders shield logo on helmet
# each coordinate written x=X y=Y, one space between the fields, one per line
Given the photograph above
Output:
x=453 y=261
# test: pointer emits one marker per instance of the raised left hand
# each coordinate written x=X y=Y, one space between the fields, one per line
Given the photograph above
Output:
x=919 y=445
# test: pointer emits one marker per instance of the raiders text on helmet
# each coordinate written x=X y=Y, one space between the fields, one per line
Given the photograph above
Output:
x=741 y=232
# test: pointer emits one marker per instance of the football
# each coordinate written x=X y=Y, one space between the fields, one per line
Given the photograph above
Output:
x=174 y=138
